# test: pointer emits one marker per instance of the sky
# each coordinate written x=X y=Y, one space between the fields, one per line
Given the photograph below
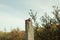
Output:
x=13 y=13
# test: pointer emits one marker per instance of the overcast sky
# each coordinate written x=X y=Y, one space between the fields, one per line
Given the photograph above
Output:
x=14 y=12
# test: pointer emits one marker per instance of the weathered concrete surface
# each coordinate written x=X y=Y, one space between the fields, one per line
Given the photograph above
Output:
x=29 y=30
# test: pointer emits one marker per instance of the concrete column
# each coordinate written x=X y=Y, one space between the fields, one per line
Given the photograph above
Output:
x=29 y=30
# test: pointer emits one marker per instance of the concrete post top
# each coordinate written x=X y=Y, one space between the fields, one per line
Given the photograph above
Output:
x=29 y=19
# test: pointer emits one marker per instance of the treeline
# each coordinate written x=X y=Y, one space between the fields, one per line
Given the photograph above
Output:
x=50 y=29
x=15 y=34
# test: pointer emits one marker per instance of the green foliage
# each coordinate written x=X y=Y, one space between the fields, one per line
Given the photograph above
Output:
x=33 y=16
x=51 y=26
x=56 y=13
